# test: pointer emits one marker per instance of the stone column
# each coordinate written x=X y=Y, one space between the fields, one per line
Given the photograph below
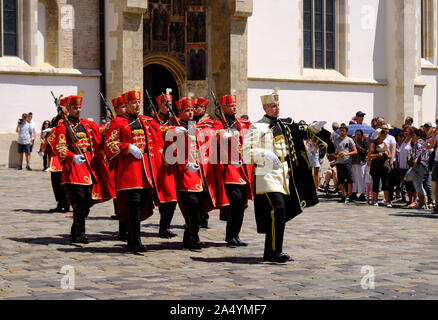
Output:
x=30 y=24
x=229 y=49
x=124 y=45
x=65 y=35
x=402 y=22
x=239 y=51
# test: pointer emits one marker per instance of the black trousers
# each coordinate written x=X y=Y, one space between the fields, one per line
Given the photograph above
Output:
x=137 y=198
x=192 y=205
x=58 y=189
x=391 y=183
x=167 y=211
x=45 y=161
x=80 y=199
x=236 y=197
x=123 y=226
x=277 y=223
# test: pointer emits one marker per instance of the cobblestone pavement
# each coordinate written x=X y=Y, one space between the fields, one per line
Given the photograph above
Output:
x=331 y=244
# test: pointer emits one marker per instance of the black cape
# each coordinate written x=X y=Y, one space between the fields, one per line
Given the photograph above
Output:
x=301 y=185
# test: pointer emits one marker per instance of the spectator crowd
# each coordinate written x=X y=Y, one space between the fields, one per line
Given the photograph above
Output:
x=368 y=159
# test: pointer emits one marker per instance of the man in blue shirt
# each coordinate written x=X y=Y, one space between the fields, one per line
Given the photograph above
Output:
x=24 y=130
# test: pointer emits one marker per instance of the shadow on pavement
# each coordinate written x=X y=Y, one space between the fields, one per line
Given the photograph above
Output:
x=64 y=239
x=35 y=211
x=61 y=239
x=155 y=225
x=416 y=215
x=119 y=248
x=113 y=235
x=242 y=260
x=99 y=218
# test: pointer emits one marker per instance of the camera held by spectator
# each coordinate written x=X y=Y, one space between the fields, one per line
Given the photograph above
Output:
x=23 y=118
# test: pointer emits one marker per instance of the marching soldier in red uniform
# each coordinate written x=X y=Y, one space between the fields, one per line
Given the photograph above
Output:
x=56 y=168
x=133 y=145
x=78 y=177
x=195 y=187
x=200 y=105
x=166 y=209
x=120 y=110
x=236 y=176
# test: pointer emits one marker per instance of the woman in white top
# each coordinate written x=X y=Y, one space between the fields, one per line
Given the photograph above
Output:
x=405 y=151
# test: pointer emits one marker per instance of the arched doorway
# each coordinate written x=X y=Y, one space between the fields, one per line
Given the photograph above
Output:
x=157 y=79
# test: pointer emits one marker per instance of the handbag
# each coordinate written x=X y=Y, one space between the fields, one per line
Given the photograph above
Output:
x=410 y=175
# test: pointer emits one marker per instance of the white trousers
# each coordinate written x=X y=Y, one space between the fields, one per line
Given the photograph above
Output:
x=359 y=178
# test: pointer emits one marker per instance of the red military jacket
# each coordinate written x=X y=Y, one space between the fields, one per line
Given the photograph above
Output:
x=129 y=172
x=89 y=137
x=104 y=172
x=207 y=120
x=231 y=174
x=165 y=176
x=196 y=147
x=55 y=165
x=227 y=173
x=206 y=137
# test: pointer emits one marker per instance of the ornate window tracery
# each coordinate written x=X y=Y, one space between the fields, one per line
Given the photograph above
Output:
x=177 y=29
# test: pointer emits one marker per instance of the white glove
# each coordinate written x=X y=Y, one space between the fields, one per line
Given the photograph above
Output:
x=174 y=132
x=273 y=158
x=317 y=126
x=135 y=151
x=78 y=159
x=107 y=125
x=193 y=167
x=179 y=130
x=227 y=135
x=41 y=154
x=237 y=164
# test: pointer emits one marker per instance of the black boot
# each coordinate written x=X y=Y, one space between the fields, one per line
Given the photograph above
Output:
x=204 y=221
x=232 y=243
x=123 y=231
x=191 y=243
x=59 y=208
x=277 y=257
x=166 y=216
x=240 y=243
x=77 y=235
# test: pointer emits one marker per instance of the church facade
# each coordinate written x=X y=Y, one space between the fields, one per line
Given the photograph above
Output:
x=330 y=58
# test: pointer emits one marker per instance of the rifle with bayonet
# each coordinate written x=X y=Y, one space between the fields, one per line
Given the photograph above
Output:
x=107 y=107
x=154 y=110
x=72 y=135
x=170 y=110
x=219 y=112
